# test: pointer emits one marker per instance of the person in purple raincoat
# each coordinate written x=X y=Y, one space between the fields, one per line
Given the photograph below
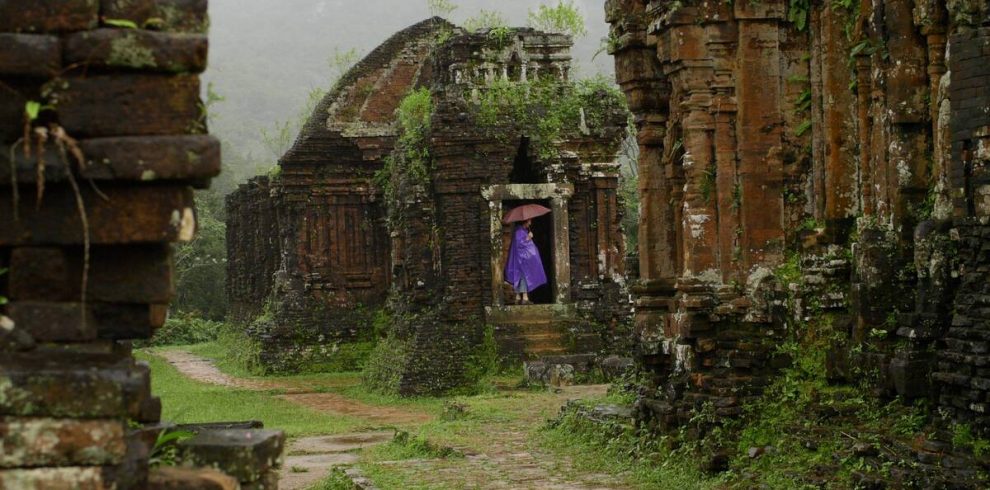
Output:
x=524 y=269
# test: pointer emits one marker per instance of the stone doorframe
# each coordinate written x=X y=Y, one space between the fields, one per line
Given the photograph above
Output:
x=559 y=195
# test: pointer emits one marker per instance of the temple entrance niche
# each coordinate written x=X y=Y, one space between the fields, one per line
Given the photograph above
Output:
x=543 y=237
x=550 y=233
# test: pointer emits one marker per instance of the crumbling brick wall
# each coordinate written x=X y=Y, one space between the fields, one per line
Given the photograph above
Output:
x=844 y=131
x=442 y=244
x=85 y=229
x=320 y=284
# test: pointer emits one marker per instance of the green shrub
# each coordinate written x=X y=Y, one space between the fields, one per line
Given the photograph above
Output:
x=340 y=358
x=239 y=352
x=383 y=368
x=564 y=18
x=186 y=329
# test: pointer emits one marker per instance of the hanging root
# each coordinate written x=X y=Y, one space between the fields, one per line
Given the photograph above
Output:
x=13 y=180
x=62 y=140
x=42 y=135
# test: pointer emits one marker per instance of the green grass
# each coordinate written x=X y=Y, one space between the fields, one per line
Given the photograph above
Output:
x=187 y=401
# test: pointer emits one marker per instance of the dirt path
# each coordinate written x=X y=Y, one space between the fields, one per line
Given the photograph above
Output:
x=203 y=370
x=502 y=457
x=506 y=458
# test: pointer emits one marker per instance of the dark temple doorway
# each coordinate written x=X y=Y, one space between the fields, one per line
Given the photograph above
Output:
x=543 y=237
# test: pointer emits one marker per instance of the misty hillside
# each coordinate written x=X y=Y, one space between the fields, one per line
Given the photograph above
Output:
x=266 y=56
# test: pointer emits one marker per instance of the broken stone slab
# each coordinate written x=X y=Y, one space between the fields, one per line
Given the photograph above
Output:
x=549 y=374
x=172 y=478
x=137 y=49
x=613 y=367
x=29 y=55
x=34 y=442
x=210 y=426
x=48 y=15
x=247 y=455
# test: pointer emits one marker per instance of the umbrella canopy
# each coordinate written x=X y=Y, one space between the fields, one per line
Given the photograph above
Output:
x=525 y=212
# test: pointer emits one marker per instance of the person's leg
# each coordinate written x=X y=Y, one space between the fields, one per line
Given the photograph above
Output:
x=524 y=291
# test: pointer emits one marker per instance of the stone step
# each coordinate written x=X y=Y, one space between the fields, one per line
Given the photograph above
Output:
x=499 y=315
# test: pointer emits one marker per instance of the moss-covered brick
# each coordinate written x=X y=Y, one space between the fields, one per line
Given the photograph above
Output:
x=86 y=478
x=138 y=49
x=163 y=15
x=60 y=442
x=48 y=15
x=71 y=387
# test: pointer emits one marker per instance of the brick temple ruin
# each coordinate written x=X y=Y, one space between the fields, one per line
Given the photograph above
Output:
x=76 y=409
x=317 y=249
x=851 y=141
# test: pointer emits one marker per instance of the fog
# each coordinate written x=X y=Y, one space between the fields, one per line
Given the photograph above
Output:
x=266 y=56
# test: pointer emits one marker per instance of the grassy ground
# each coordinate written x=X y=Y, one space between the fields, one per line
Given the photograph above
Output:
x=186 y=401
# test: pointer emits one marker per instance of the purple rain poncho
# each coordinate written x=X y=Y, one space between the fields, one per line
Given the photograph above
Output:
x=524 y=262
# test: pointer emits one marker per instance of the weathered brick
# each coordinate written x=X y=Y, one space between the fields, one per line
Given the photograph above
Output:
x=153 y=213
x=40 y=273
x=29 y=55
x=167 y=15
x=118 y=274
x=192 y=158
x=130 y=105
x=152 y=158
x=53 y=322
x=61 y=385
x=137 y=49
x=32 y=442
x=48 y=15
x=12 y=113
x=74 y=478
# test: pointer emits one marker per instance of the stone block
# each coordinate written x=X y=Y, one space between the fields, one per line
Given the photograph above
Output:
x=29 y=55
x=53 y=322
x=11 y=115
x=142 y=158
x=69 y=386
x=40 y=273
x=63 y=322
x=244 y=454
x=129 y=215
x=152 y=158
x=87 y=478
x=130 y=105
x=60 y=442
x=137 y=50
x=170 y=478
x=48 y=15
x=163 y=15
